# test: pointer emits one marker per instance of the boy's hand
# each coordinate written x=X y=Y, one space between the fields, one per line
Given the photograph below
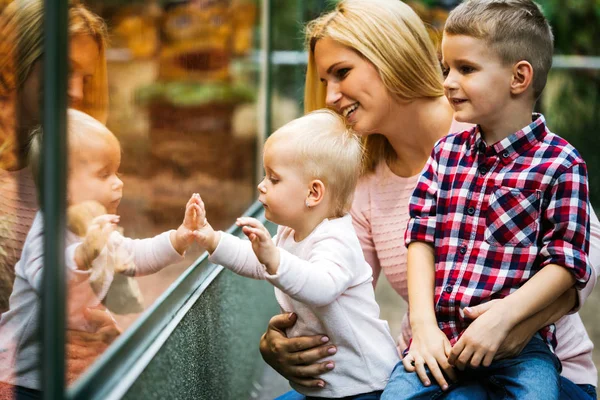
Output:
x=430 y=347
x=95 y=239
x=481 y=340
x=205 y=235
x=262 y=244
x=184 y=236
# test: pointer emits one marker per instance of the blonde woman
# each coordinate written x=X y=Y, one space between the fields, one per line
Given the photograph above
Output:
x=21 y=54
x=373 y=62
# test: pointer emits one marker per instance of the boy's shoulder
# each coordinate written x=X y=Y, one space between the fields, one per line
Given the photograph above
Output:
x=555 y=146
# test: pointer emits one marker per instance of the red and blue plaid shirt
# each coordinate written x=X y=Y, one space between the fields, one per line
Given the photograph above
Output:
x=497 y=214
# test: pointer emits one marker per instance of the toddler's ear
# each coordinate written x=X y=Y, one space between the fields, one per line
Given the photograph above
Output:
x=522 y=77
x=316 y=193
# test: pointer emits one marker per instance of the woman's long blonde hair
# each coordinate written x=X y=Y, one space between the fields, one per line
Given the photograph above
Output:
x=21 y=46
x=390 y=35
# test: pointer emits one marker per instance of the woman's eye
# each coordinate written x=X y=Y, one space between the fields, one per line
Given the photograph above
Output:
x=342 y=72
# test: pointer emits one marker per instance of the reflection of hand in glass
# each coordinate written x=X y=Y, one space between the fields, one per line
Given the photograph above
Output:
x=184 y=236
x=82 y=348
x=95 y=239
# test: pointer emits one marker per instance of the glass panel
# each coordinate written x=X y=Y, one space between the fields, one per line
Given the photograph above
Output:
x=173 y=100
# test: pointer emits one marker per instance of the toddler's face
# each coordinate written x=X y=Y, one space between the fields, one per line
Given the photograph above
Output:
x=477 y=83
x=284 y=190
x=93 y=172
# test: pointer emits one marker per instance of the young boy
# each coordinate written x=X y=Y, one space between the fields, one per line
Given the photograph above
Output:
x=499 y=212
x=94 y=159
x=315 y=262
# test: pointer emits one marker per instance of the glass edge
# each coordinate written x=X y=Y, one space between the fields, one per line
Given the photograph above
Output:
x=125 y=353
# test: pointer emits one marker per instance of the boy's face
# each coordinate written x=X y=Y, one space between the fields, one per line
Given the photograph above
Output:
x=93 y=172
x=477 y=83
x=284 y=190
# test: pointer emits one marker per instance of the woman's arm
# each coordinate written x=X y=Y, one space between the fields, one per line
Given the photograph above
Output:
x=297 y=359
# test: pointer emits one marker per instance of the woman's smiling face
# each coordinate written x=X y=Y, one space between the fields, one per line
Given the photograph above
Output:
x=354 y=86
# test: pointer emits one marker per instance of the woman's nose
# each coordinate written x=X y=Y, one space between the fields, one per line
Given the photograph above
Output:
x=333 y=95
x=76 y=90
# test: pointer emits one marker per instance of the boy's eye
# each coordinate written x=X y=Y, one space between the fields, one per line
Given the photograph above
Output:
x=465 y=69
x=273 y=180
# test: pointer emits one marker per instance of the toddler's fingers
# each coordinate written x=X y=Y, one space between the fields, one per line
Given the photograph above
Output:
x=258 y=233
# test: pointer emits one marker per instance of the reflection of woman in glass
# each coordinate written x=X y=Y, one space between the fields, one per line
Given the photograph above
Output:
x=21 y=66
x=373 y=62
x=21 y=62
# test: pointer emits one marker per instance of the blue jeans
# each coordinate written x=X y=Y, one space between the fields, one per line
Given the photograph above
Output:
x=572 y=391
x=293 y=395
x=532 y=375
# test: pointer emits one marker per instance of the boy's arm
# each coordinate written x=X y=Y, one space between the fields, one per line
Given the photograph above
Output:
x=429 y=346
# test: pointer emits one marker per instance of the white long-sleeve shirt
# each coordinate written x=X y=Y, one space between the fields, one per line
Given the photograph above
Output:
x=326 y=281
x=20 y=349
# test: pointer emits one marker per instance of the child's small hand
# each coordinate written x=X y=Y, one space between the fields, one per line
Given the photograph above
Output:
x=192 y=220
x=262 y=244
x=481 y=340
x=95 y=239
x=430 y=348
x=205 y=235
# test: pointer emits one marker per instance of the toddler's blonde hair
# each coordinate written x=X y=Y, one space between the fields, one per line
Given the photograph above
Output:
x=392 y=37
x=515 y=29
x=80 y=127
x=325 y=148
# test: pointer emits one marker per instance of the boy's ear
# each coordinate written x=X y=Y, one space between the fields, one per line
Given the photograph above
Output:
x=522 y=77
x=316 y=193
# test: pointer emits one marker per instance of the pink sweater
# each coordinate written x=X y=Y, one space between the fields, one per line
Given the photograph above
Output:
x=380 y=215
x=18 y=204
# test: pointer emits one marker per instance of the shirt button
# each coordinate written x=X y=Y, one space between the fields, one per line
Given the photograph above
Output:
x=463 y=250
x=483 y=170
x=505 y=154
x=449 y=289
x=471 y=210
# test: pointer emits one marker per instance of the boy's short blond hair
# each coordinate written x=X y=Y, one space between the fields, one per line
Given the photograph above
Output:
x=515 y=29
x=325 y=148
x=80 y=127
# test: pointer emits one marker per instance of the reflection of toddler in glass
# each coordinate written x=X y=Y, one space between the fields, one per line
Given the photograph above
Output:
x=94 y=158
x=315 y=262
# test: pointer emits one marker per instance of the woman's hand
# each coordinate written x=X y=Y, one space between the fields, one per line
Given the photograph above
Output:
x=430 y=348
x=517 y=338
x=296 y=359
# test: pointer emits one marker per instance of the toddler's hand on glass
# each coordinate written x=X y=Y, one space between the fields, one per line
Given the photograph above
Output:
x=205 y=235
x=193 y=219
x=262 y=244
x=95 y=239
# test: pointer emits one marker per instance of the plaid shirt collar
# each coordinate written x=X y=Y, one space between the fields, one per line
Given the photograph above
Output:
x=512 y=146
